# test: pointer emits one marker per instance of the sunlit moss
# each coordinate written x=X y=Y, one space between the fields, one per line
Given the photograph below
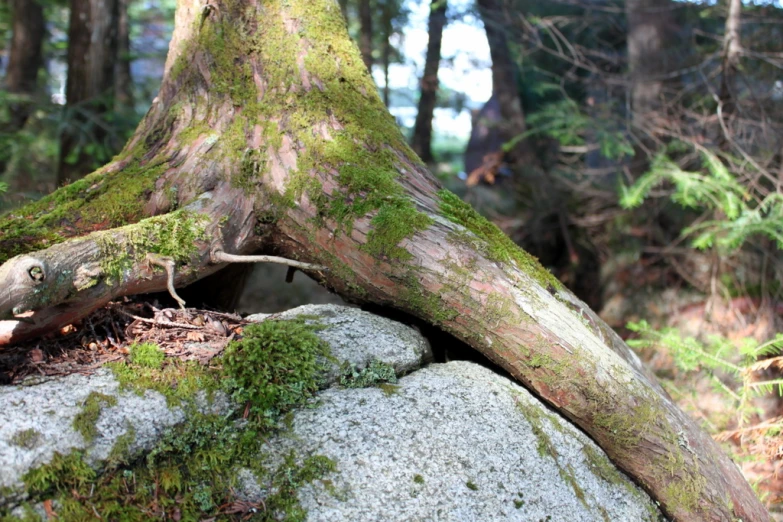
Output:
x=488 y=239
x=148 y=355
x=191 y=472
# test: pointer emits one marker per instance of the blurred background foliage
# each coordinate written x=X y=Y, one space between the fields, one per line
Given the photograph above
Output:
x=635 y=147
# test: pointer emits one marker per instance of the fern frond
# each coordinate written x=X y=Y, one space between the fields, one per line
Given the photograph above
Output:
x=765 y=364
x=766 y=387
x=771 y=347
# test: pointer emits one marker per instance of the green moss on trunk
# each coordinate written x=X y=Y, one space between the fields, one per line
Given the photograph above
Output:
x=489 y=240
x=96 y=202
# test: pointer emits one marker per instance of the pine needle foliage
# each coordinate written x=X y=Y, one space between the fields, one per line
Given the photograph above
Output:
x=734 y=367
x=570 y=125
x=737 y=214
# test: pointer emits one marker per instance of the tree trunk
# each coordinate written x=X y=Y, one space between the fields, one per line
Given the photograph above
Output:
x=365 y=32
x=422 y=130
x=268 y=135
x=732 y=51
x=25 y=60
x=123 y=81
x=386 y=48
x=651 y=40
x=504 y=80
x=92 y=55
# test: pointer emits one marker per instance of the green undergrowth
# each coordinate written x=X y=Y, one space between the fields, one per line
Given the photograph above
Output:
x=148 y=355
x=191 y=473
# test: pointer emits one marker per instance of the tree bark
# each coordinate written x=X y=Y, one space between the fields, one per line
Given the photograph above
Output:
x=386 y=47
x=504 y=80
x=92 y=55
x=421 y=141
x=651 y=42
x=24 y=61
x=268 y=135
x=123 y=81
x=732 y=51
x=365 y=32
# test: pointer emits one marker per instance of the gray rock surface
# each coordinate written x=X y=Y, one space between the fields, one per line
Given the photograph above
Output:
x=41 y=413
x=452 y=442
x=37 y=421
x=359 y=337
x=455 y=442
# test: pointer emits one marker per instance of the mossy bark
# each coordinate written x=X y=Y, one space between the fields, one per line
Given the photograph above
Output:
x=268 y=136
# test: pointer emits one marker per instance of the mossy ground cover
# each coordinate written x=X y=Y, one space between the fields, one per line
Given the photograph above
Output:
x=191 y=473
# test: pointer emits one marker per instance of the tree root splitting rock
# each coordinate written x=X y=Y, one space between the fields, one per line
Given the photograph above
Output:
x=268 y=137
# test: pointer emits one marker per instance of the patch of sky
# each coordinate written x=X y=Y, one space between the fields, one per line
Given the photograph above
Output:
x=465 y=68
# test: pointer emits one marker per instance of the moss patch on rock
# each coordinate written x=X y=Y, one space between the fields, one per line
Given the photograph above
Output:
x=277 y=365
x=148 y=355
x=175 y=379
x=28 y=438
x=84 y=421
x=191 y=473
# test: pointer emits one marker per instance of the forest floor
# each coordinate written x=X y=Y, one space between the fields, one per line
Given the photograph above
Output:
x=106 y=335
x=754 y=442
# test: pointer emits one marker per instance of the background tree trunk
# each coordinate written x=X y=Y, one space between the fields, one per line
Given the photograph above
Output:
x=651 y=36
x=344 y=8
x=386 y=47
x=92 y=57
x=24 y=61
x=268 y=135
x=365 y=32
x=422 y=130
x=732 y=51
x=504 y=78
x=123 y=82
